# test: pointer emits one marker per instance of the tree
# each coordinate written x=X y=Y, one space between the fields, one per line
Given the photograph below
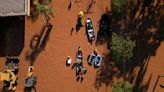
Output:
x=41 y=7
x=44 y=9
x=118 y=5
x=121 y=47
x=123 y=86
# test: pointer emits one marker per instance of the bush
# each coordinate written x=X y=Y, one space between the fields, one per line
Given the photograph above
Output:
x=121 y=47
x=123 y=86
x=43 y=8
x=117 y=6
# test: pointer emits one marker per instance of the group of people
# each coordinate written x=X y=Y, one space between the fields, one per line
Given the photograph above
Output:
x=80 y=69
x=93 y=59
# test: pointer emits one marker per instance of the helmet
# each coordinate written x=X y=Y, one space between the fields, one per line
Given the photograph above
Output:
x=81 y=13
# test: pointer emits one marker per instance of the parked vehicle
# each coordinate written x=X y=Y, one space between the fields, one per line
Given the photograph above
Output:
x=90 y=30
x=95 y=60
x=91 y=58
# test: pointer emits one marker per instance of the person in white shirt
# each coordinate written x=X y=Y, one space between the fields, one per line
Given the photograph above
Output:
x=68 y=61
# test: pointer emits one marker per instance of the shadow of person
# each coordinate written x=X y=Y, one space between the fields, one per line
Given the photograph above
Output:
x=73 y=66
x=82 y=78
x=70 y=5
x=79 y=79
x=72 y=29
x=90 y=6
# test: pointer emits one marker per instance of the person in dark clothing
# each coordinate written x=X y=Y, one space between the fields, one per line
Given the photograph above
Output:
x=80 y=54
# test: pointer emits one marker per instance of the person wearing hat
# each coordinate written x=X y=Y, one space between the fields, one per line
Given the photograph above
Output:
x=81 y=17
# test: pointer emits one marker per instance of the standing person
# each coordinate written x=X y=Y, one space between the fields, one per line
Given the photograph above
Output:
x=68 y=61
x=81 y=17
x=95 y=52
x=79 y=54
x=30 y=80
x=80 y=21
x=79 y=59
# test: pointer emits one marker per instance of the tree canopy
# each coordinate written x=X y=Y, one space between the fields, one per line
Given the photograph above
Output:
x=123 y=86
x=118 y=5
x=121 y=47
x=43 y=8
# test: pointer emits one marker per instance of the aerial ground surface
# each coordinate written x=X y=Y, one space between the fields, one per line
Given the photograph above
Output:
x=49 y=65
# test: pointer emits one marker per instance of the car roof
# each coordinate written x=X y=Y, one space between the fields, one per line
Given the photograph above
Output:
x=88 y=20
x=91 y=30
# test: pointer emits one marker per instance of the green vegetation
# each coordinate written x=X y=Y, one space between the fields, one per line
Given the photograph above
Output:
x=118 y=5
x=44 y=9
x=41 y=7
x=123 y=86
x=121 y=47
